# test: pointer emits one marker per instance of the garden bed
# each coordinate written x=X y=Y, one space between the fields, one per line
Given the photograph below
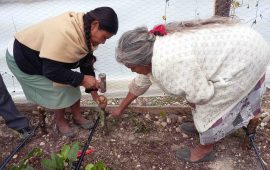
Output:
x=145 y=137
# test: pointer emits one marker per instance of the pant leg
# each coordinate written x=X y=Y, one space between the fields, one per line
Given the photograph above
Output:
x=13 y=118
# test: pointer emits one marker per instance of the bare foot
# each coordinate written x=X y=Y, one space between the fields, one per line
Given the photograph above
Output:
x=80 y=120
x=200 y=151
x=63 y=127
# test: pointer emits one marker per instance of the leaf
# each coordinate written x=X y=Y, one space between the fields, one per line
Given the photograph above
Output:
x=90 y=167
x=48 y=164
x=35 y=152
x=72 y=154
x=58 y=161
x=100 y=166
x=64 y=151
x=55 y=163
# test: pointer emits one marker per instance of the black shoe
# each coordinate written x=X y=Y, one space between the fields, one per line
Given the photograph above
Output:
x=24 y=132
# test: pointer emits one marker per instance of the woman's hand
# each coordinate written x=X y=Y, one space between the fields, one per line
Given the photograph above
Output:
x=99 y=99
x=102 y=101
x=90 y=82
x=123 y=105
x=116 y=112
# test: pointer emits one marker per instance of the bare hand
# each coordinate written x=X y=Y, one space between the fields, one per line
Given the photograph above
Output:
x=102 y=101
x=116 y=112
x=90 y=82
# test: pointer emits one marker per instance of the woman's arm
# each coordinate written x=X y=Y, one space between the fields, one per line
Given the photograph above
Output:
x=57 y=72
x=137 y=87
x=124 y=104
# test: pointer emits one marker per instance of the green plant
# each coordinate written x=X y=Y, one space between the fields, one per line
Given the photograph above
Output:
x=98 y=166
x=62 y=160
x=162 y=114
x=24 y=164
x=140 y=126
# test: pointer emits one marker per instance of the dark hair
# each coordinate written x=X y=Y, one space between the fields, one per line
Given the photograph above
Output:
x=107 y=19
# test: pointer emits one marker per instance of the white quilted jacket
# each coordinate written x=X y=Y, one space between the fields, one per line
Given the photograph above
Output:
x=213 y=68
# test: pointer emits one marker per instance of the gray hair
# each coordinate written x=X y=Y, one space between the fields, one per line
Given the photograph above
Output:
x=136 y=46
x=199 y=24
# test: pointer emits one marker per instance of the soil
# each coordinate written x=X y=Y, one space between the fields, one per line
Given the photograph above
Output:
x=143 y=138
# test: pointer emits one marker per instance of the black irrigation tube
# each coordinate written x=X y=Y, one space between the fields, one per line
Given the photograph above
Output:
x=23 y=142
x=86 y=145
x=251 y=137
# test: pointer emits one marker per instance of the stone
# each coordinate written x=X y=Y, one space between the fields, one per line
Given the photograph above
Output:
x=178 y=129
x=266 y=119
x=164 y=124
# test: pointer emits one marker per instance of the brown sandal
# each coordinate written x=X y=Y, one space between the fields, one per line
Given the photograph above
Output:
x=87 y=125
x=70 y=133
x=185 y=153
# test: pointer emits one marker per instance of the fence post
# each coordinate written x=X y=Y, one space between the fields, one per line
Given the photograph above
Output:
x=222 y=8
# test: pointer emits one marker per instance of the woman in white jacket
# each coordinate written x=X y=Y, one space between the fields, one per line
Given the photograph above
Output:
x=216 y=64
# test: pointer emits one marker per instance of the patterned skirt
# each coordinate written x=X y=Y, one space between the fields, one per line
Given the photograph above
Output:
x=239 y=116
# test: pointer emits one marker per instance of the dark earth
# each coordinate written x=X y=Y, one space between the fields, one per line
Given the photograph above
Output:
x=145 y=137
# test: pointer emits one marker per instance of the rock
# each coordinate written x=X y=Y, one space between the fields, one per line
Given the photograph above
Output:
x=35 y=112
x=164 y=124
x=157 y=123
x=85 y=113
x=174 y=147
x=138 y=166
x=266 y=119
x=222 y=147
x=123 y=160
x=147 y=116
x=265 y=114
x=180 y=119
x=169 y=120
x=178 y=129
x=184 y=135
x=131 y=137
x=263 y=124
x=42 y=143
x=173 y=118
x=15 y=156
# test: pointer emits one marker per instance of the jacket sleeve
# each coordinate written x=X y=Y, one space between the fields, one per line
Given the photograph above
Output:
x=139 y=85
x=87 y=67
x=57 y=72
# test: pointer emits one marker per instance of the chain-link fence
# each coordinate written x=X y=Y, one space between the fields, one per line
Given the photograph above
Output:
x=18 y=14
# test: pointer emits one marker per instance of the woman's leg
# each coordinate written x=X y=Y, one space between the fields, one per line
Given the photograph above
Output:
x=76 y=113
x=61 y=122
